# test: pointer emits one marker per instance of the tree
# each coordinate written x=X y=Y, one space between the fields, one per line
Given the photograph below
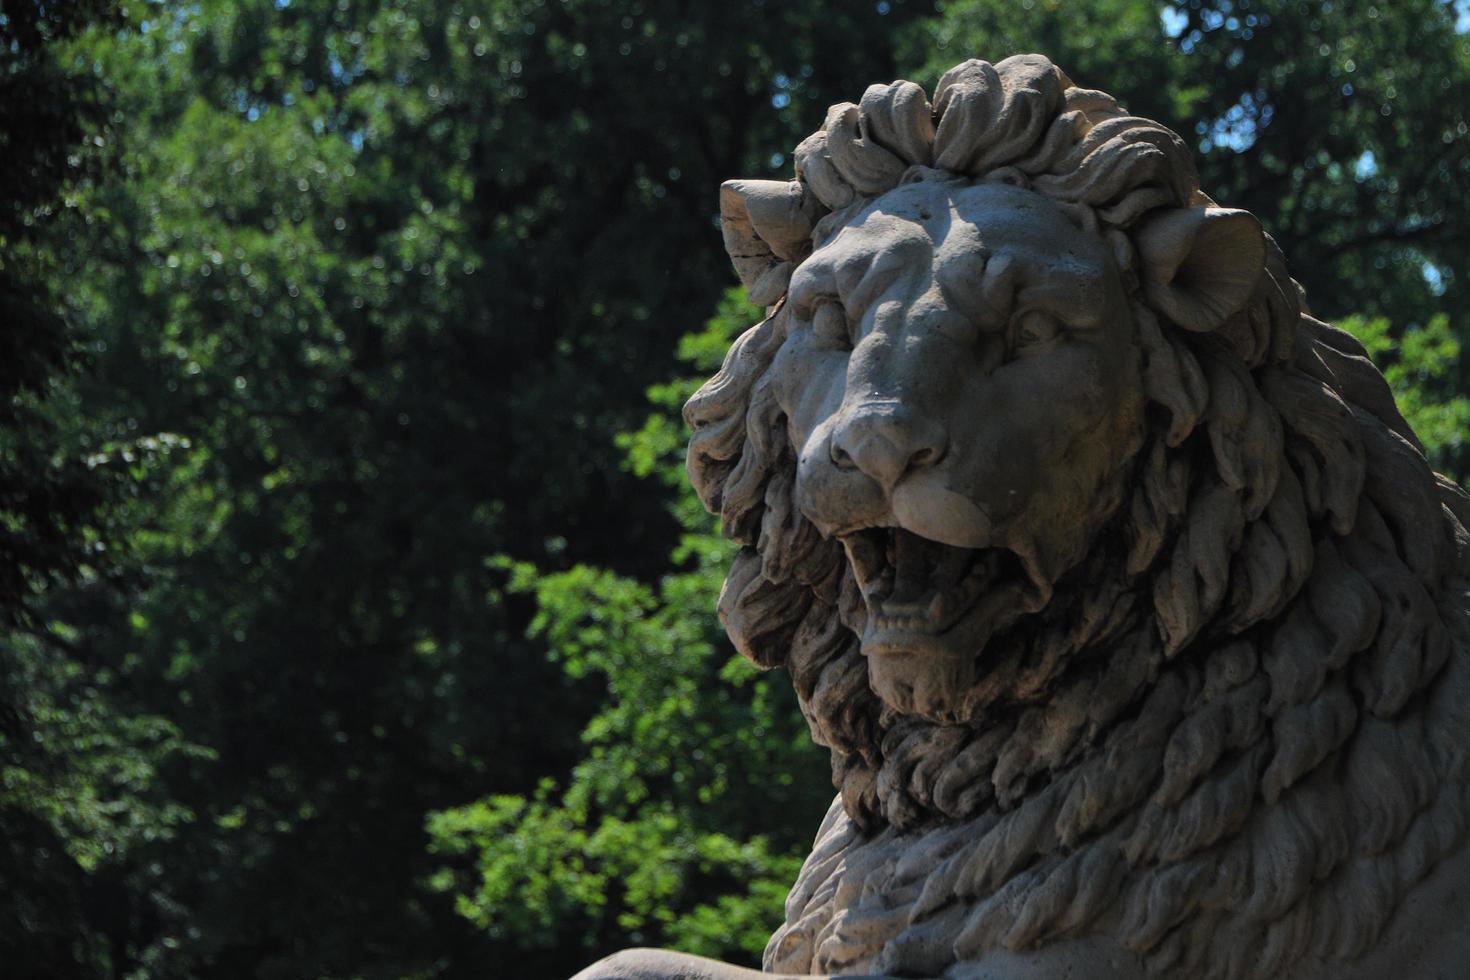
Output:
x=387 y=278
x=686 y=820
x=1424 y=367
x=77 y=762
x=51 y=115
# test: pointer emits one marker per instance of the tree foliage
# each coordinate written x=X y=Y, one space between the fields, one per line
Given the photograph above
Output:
x=683 y=822
x=378 y=283
x=357 y=621
x=1425 y=368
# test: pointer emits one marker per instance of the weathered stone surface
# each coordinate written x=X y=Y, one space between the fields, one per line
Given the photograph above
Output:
x=1121 y=593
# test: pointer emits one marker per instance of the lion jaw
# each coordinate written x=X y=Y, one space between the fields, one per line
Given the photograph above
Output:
x=931 y=608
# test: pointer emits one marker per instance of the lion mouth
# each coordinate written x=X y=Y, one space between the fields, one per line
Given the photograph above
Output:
x=919 y=591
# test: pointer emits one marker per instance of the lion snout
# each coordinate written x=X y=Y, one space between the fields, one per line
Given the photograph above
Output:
x=887 y=441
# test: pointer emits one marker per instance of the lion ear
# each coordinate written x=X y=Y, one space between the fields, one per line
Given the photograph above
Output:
x=1200 y=266
x=767 y=226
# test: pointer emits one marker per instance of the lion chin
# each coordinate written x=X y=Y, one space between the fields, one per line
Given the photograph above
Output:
x=930 y=609
x=1135 y=621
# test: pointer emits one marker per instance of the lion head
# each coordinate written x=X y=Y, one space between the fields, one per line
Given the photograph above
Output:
x=1028 y=420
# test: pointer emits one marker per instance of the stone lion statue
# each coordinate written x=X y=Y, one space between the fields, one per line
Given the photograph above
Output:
x=1114 y=581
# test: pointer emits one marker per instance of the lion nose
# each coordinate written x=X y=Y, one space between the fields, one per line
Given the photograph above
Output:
x=887 y=443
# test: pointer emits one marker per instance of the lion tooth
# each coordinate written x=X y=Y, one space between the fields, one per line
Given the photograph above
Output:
x=909 y=566
x=883 y=585
x=863 y=556
x=951 y=566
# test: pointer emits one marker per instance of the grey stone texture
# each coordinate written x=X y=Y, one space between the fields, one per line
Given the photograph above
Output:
x=1114 y=581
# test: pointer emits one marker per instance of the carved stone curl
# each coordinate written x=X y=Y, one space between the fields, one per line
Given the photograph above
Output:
x=1114 y=581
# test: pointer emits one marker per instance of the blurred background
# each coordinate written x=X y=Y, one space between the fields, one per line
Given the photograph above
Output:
x=354 y=618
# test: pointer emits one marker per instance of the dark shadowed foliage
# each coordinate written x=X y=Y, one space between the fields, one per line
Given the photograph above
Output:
x=343 y=635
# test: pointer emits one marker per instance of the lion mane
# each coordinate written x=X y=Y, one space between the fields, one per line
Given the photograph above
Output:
x=1239 y=727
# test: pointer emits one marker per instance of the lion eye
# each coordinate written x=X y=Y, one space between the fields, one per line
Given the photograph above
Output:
x=829 y=323
x=1034 y=329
